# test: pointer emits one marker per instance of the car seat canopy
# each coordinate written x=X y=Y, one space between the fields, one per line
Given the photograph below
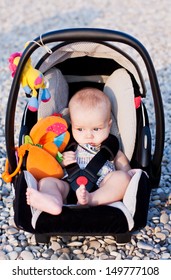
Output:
x=96 y=50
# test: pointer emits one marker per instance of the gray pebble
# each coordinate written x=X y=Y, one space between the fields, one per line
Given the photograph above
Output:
x=164 y=218
x=26 y=255
x=13 y=255
x=143 y=245
x=165 y=256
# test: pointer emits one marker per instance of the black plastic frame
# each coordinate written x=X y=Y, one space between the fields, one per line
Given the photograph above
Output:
x=98 y=36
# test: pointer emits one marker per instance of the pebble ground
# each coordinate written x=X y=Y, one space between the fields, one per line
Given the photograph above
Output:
x=147 y=20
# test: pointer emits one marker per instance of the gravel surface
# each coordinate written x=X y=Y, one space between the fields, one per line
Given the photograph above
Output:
x=147 y=20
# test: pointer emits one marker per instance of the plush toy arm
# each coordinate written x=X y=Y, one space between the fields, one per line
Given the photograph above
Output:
x=33 y=102
x=27 y=89
x=25 y=85
x=45 y=94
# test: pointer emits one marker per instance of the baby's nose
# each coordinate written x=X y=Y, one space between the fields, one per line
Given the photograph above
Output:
x=89 y=134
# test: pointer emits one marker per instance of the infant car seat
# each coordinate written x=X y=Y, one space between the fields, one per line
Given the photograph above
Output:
x=81 y=58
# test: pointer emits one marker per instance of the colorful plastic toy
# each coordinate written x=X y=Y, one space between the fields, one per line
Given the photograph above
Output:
x=32 y=80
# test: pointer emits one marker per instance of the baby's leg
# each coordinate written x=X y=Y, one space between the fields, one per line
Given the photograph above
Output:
x=50 y=196
x=111 y=189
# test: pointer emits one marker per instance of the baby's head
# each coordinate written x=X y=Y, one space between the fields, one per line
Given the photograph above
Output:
x=90 y=113
x=90 y=99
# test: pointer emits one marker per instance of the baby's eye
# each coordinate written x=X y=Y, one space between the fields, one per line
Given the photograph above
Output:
x=96 y=129
x=79 y=129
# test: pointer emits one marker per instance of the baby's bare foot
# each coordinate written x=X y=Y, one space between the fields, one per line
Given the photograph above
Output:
x=43 y=202
x=32 y=197
x=28 y=195
x=82 y=195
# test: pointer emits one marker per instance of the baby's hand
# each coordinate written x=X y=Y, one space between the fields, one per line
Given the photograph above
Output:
x=68 y=158
x=132 y=172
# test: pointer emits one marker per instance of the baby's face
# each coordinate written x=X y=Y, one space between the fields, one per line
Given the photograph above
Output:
x=90 y=126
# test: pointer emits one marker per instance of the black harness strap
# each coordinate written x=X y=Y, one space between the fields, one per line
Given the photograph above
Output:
x=88 y=176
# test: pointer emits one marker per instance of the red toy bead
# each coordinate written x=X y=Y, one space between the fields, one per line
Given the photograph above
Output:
x=82 y=180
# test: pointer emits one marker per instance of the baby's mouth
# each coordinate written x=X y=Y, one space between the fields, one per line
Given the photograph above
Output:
x=92 y=144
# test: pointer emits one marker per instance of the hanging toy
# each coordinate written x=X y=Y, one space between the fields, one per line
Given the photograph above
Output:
x=31 y=80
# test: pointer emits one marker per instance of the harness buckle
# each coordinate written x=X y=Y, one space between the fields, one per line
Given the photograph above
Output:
x=82 y=177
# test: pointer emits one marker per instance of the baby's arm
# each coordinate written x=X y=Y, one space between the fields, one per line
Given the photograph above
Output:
x=68 y=158
x=121 y=162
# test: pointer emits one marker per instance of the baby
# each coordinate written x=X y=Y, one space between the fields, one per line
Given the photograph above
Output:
x=90 y=113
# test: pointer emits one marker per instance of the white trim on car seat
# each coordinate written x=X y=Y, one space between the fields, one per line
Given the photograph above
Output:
x=130 y=197
x=125 y=211
x=120 y=91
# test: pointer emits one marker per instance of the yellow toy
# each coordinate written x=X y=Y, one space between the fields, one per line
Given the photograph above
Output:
x=31 y=80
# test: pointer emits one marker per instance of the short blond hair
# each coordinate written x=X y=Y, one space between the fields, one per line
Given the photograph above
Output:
x=90 y=98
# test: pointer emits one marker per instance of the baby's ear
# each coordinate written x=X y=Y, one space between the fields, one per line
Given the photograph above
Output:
x=110 y=122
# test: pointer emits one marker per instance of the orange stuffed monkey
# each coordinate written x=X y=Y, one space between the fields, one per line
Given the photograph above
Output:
x=47 y=139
